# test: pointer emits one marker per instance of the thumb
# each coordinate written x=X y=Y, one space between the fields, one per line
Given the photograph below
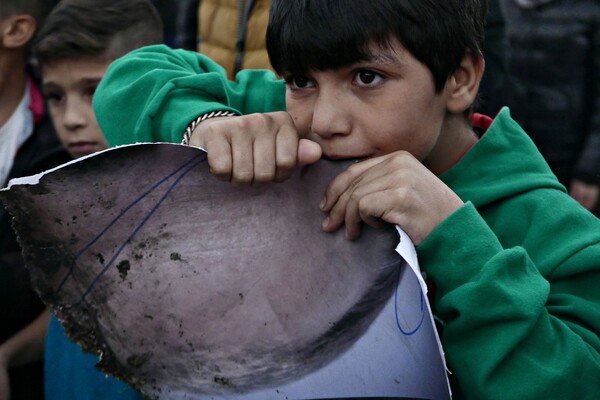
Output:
x=309 y=152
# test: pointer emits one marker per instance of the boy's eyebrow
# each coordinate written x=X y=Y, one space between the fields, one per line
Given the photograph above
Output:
x=48 y=85
x=91 y=80
x=385 y=58
x=85 y=81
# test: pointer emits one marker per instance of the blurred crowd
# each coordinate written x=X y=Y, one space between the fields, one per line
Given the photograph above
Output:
x=543 y=63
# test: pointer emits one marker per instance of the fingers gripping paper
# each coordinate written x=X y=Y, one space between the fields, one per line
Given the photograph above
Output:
x=187 y=286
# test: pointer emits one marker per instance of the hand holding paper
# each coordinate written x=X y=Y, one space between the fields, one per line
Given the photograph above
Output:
x=185 y=284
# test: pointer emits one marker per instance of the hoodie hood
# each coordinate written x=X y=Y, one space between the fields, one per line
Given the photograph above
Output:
x=504 y=163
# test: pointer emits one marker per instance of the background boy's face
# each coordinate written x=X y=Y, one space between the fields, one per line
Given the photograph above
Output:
x=370 y=108
x=69 y=86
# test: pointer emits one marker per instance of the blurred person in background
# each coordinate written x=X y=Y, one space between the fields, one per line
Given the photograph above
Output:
x=186 y=26
x=74 y=48
x=28 y=145
x=232 y=33
x=555 y=89
x=169 y=11
x=496 y=50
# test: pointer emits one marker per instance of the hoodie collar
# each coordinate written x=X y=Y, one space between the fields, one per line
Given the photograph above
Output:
x=503 y=163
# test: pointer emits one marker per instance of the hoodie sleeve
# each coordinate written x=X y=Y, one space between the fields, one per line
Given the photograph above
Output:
x=514 y=328
x=153 y=93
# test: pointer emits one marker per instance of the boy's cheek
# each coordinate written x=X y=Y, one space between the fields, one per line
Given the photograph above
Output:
x=301 y=114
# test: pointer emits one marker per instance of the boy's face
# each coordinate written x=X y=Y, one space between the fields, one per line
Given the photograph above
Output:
x=370 y=108
x=69 y=86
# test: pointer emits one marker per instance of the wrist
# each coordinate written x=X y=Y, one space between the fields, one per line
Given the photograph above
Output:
x=187 y=134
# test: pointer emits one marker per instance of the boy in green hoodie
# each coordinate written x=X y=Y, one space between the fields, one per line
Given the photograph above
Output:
x=514 y=261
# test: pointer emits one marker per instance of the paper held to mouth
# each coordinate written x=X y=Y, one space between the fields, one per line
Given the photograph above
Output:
x=192 y=288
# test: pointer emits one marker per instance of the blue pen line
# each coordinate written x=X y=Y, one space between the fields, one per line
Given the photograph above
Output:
x=154 y=187
x=136 y=230
x=408 y=333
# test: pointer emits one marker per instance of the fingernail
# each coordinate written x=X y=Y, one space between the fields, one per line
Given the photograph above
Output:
x=349 y=236
x=325 y=223
x=322 y=205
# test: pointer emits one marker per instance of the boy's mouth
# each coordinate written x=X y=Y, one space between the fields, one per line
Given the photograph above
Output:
x=83 y=147
x=338 y=157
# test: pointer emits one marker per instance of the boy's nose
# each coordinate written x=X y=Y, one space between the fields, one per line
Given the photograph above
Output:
x=74 y=116
x=330 y=116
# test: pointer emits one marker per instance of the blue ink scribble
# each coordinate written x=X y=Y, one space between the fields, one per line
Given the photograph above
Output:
x=408 y=332
x=183 y=170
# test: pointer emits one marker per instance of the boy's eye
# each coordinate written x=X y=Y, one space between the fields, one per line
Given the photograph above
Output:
x=299 y=82
x=367 y=78
x=89 y=91
x=54 y=97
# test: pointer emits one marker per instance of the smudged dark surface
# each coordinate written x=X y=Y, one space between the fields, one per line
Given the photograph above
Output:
x=183 y=282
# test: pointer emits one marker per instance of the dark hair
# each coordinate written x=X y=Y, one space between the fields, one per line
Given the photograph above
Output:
x=317 y=34
x=97 y=28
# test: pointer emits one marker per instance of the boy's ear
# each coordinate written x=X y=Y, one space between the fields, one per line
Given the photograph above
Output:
x=463 y=85
x=17 y=30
